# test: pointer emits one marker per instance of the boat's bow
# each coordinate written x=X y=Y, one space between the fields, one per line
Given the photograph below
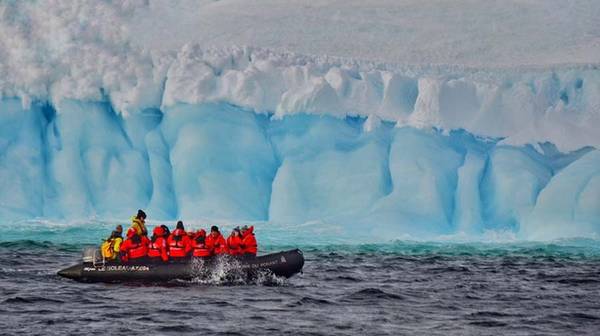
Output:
x=73 y=272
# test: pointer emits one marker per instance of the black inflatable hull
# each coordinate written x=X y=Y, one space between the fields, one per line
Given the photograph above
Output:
x=282 y=264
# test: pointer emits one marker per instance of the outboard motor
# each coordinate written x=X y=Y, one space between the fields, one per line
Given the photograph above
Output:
x=92 y=255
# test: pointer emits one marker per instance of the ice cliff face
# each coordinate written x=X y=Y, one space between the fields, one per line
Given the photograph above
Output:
x=93 y=124
x=219 y=161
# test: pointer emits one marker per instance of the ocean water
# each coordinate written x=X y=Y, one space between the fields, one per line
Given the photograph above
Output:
x=399 y=287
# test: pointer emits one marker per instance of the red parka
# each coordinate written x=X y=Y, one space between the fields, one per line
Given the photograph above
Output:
x=216 y=244
x=134 y=247
x=199 y=248
x=179 y=244
x=158 y=245
x=234 y=244
x=249 y=245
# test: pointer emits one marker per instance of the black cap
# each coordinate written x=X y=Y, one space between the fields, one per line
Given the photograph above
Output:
x=180 y=225
x=214 y=228
x=141 y=214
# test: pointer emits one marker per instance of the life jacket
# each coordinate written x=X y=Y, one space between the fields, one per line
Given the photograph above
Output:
x=234 y=243
x=158 y=245
x=138 y=251
x=134 y=248
x=139 y=226
x=217 y=245
x=199 y=248
x=110 y=248
x=179 y=244
x=249 y=245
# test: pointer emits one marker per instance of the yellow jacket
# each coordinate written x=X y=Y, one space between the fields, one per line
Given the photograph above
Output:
x=139 y=226
x=111 y=247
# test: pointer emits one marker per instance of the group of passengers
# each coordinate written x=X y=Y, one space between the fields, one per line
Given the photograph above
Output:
x=179 y=244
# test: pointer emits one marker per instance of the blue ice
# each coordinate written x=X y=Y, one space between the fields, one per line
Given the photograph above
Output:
x=220 y=162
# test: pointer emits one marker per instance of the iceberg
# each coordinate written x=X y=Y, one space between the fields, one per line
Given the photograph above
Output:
x=99 y=118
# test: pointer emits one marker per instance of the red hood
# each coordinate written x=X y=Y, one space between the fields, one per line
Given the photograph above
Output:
x=158 y=231
x=249 y=231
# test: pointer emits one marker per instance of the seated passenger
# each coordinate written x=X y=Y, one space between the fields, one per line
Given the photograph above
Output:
x=179 y=243
x=249 y=246
x=234 y=242
x=158 y=245
x=199 y=248
x=135 y=247
x=215 y=241
x=110 y=247
x=199 y=233
x=138 y=223
x=166 y=230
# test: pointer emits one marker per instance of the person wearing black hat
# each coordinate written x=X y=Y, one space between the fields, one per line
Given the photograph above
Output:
x=179 y=242
x=215 y=241
x=138 y=223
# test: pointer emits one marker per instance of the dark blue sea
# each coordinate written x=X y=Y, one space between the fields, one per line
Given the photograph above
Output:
x=396 y=288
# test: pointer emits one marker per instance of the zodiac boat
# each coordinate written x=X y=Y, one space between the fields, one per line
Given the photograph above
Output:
x=94 y=268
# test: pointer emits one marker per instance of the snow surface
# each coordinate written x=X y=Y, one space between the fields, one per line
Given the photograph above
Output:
x=152 y=54
x=466 y=32
x=396 y=117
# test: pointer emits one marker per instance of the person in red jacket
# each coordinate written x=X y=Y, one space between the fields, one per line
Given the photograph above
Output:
x=158 y=245
x=234 y=242
x=215 y=241
x=134 y=247
x=179 y=243
x=249 y=245
x=199 y=248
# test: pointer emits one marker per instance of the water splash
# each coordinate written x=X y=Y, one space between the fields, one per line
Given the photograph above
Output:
x=223 y=270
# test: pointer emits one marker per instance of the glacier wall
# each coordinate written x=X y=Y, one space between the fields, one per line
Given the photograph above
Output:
x=219 y=161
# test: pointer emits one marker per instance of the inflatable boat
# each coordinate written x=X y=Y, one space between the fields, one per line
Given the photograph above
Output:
x=94 y=269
